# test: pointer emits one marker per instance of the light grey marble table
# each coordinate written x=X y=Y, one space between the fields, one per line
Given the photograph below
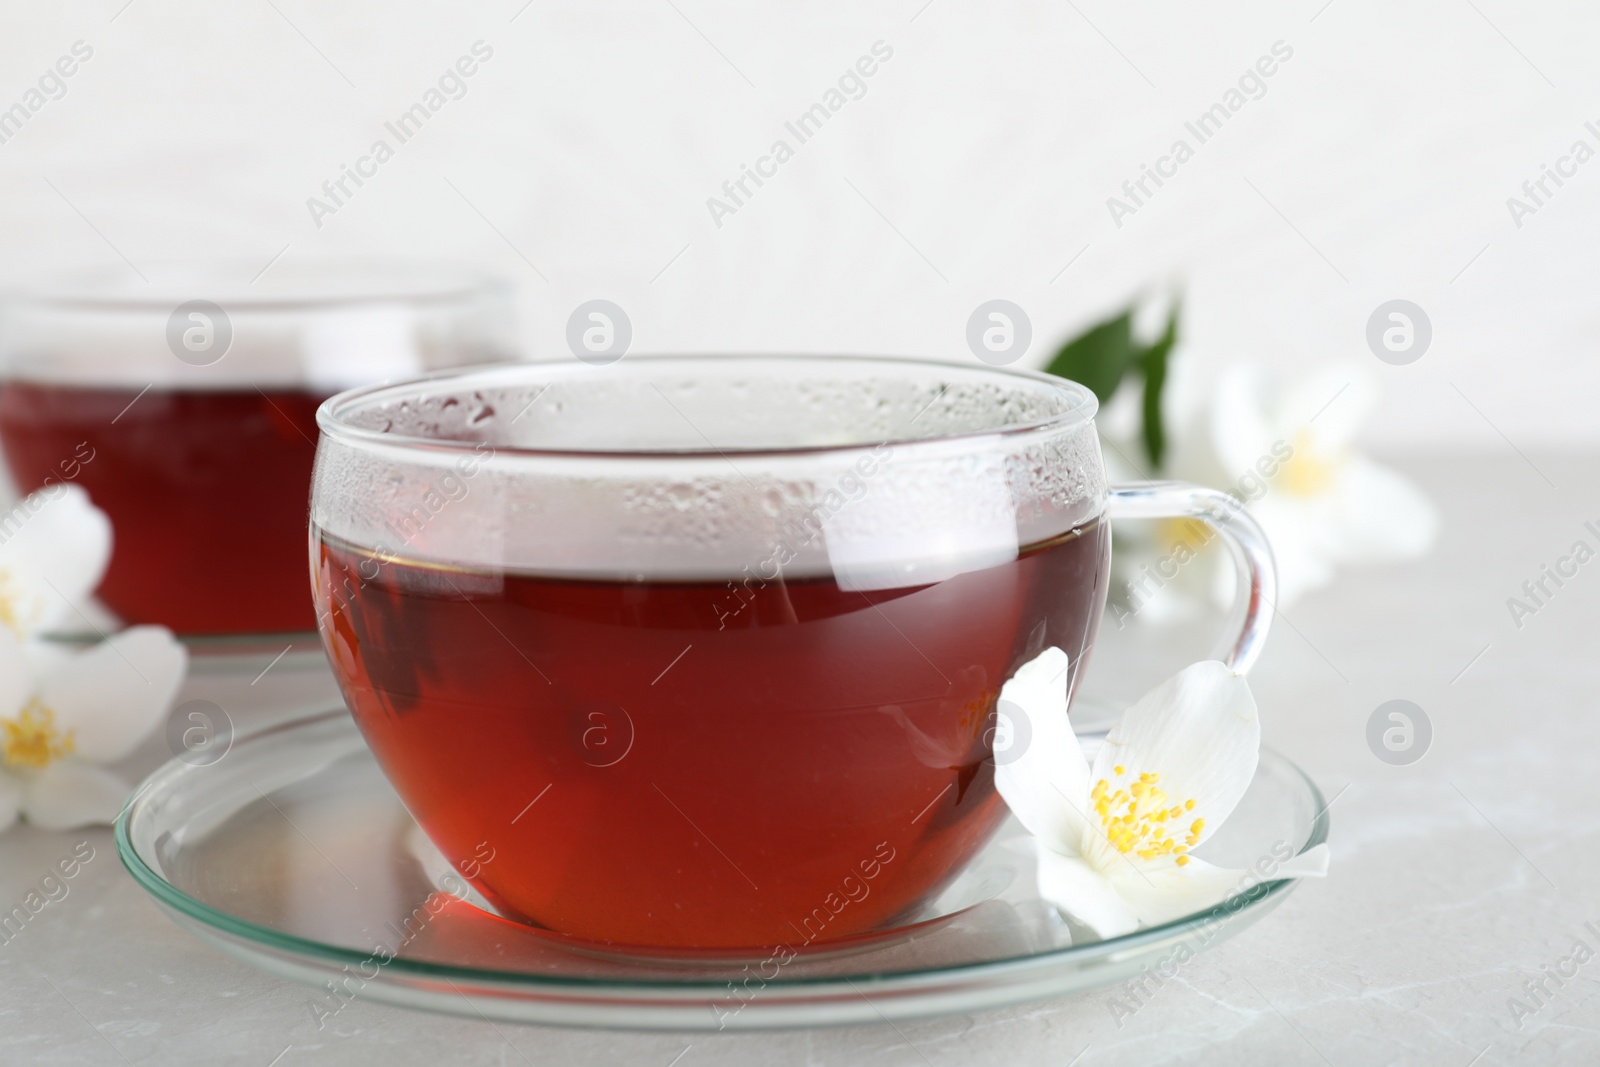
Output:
x=1455 y=880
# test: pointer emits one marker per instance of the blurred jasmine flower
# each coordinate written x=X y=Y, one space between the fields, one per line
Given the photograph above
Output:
x=54 y=547
x=1327 y=505
x=1287 y=454
x=1115 y=841
x=64 y=714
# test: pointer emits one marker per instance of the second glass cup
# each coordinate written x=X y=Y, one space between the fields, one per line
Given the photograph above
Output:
x=185 y=406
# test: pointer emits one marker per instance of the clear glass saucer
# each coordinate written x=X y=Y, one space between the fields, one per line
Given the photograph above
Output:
x=293 y=854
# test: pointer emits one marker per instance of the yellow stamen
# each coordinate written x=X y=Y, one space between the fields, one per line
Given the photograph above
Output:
x=8 y=605
x=1304 y=473
x=31 y=739
x=1190 y=535
x=1136 y=820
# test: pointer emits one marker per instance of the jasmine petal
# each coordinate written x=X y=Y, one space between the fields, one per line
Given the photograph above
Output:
x=1114 y=842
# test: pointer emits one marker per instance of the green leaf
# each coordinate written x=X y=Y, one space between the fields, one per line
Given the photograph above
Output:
x=1107 y=354
x=1153 y=364
x=1099 y=358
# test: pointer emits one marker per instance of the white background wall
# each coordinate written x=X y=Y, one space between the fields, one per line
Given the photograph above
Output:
x=1389 y=143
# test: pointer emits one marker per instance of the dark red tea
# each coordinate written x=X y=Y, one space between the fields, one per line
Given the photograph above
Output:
x=683 y=764
x=207 y=494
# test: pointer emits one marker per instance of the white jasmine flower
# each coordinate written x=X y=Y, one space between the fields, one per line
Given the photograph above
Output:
x=54 y=547
x=1115 y=841
x=63 y=715
x=1287 y=454
x=1327 y=505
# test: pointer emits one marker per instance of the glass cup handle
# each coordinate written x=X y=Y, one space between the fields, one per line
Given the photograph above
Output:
x=1252 y=555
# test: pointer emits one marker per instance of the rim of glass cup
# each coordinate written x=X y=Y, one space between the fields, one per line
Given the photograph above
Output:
x=365 y=280
x=333 y=412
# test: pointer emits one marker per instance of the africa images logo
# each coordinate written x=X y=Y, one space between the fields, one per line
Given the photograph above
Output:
x=1252 y=85
x=451 y=85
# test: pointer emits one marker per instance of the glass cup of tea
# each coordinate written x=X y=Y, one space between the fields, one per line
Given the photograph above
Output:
x=186 y=406
x=703 y=653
